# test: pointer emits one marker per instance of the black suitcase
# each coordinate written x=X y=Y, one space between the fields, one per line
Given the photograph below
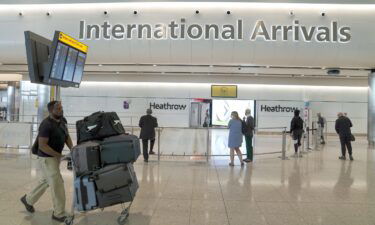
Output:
x=121 y=195
x=86 y=157
x=120 y=149
x=113 y=177
x=98 y=126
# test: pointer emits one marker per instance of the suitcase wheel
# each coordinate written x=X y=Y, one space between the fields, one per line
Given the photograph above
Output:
x=121 y=220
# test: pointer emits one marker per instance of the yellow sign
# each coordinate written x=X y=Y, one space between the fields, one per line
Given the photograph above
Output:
x=224 y=91
x=73 y=42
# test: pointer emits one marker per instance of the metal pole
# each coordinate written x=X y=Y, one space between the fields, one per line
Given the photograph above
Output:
x=31 y=135
x=159 y=144
x=283 y=148
x=207 y=144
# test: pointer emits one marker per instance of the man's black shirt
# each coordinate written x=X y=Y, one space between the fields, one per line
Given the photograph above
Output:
x=56 y=132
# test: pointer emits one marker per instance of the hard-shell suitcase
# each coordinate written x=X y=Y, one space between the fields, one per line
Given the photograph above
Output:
x=86 y=157
x=98 y=126
x=85 y=194
x=113 y=177
x=120 y=149
x=121 y=195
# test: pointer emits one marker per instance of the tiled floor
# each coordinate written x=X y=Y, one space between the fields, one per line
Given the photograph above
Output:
x=316 y=189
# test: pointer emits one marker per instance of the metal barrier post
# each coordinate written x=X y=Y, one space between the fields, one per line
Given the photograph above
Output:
x=207 y=144
x=159 y=144
x=283 y=148
x=316 y=145
x=31 y=136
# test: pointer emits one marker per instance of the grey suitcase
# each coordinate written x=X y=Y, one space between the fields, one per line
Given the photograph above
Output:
x=121 y=195
x=113 y=177
x=120 y=149
x=85 y=194
x=86 y=157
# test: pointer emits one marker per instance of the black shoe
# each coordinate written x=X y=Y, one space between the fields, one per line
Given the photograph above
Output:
x=59 y=219
x=351 y=158
x=342 y=157
x=152 y=153
x=323 y=142
x=247 y=160
x=28 y=207
x=146 y=160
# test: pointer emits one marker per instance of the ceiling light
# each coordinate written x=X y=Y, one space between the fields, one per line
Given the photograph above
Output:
x=117 y=72
x=154 y=65
x=100 y=65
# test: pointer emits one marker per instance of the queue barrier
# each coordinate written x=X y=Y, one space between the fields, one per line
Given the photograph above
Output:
x=196 y=143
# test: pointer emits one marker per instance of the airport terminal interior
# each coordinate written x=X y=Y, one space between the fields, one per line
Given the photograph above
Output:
x=85 y=84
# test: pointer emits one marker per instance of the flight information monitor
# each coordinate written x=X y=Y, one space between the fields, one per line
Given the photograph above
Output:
x=66 y=62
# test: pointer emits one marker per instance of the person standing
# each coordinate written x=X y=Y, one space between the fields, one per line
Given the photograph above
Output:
x=52 y=137
x=342 y=126
x=296 y=130
x=235 y=137
x=148 y=123
x=250 y=125
x=321 y=123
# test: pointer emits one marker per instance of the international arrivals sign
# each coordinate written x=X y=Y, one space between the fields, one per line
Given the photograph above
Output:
x=181 y=29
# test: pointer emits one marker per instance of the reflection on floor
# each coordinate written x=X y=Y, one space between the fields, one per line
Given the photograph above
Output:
x=313 y=190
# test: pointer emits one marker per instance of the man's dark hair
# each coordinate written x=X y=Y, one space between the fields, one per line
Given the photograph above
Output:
x=51 y=104
x=296 y=112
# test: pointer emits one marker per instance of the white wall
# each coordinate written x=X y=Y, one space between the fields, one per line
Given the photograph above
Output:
x=110 y=96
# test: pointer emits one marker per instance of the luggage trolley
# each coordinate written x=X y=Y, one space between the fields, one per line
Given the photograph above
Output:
x=121 y=220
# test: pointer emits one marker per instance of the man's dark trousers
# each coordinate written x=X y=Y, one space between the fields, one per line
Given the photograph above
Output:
x=145 y=147
x=345 y=143
x=249 y=147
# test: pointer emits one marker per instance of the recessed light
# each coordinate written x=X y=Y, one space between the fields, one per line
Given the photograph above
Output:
x=117 y=72
x=211 y=66
x=100 y=65
x=154 y=65
x=302 y=75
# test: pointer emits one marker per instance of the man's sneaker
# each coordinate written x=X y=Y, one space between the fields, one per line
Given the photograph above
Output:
x=28 y=207
x=59 y=219
x=146 y=160
x=152 y=153
x=323 y=143
x=342 y=157
x=247 y=160
x=351 y=158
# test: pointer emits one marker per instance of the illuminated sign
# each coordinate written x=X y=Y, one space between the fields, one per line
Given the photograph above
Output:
x=224 y=91
x=72 y=42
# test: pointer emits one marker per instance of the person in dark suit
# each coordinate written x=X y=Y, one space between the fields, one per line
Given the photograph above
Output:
x=147 y=124
x=296 y=130
x=342 y=126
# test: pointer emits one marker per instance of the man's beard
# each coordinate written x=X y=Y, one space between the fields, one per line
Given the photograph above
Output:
x=58 y=117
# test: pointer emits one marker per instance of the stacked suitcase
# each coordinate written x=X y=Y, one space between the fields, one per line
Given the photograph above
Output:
x=103 y=162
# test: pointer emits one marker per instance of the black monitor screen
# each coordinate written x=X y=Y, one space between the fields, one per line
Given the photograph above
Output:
x=79 y=67
x=70 y=64
x=59 y=61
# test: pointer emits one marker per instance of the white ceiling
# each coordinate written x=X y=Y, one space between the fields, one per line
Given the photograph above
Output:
x=110 y=1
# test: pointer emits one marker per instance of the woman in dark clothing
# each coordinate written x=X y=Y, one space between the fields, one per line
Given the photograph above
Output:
x=296 y=130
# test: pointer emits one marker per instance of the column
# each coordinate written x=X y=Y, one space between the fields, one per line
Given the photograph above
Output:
x=11 y=101
x=43 y=99
x=371 y=109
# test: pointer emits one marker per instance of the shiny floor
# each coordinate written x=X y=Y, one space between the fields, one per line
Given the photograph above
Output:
x=313 y=190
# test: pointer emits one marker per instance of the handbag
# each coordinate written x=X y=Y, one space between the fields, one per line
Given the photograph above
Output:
x=352 y=138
